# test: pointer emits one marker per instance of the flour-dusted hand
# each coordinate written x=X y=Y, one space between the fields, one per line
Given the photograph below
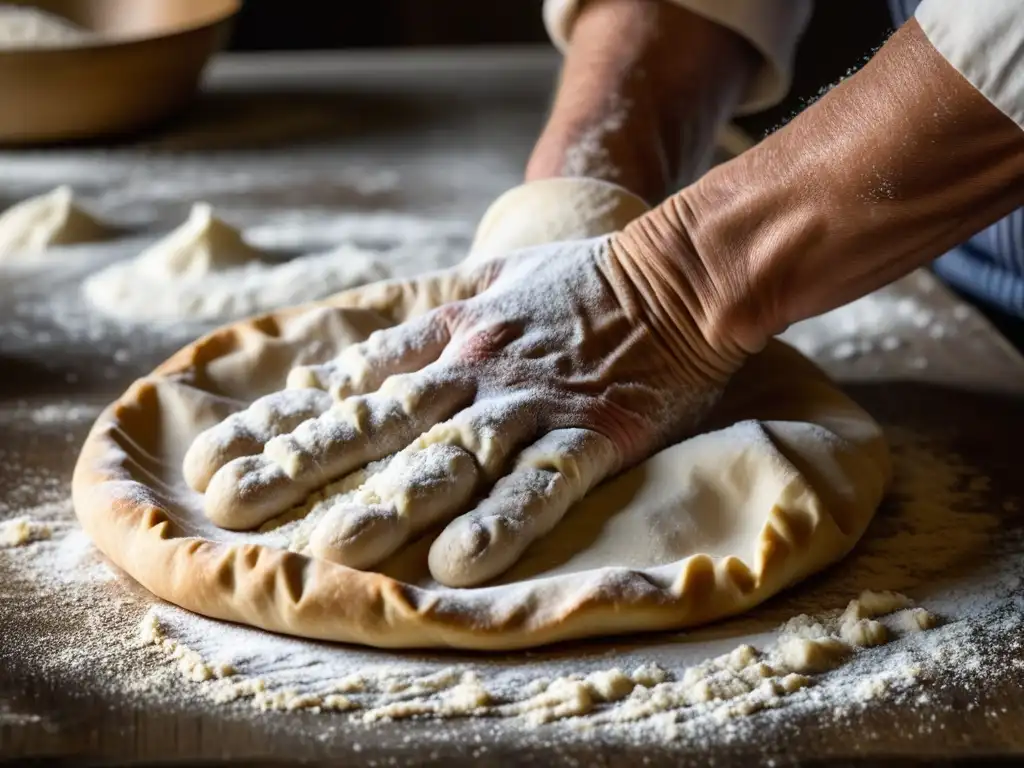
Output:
x=572 y=361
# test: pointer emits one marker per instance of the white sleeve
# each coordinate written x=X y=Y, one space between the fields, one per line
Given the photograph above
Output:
x=984 y=40
x=773 y=27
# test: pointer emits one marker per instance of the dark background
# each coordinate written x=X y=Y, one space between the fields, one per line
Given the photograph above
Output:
x=839 y=37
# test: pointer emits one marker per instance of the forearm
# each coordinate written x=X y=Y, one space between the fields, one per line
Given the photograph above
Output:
x=893 y=167
x=644 y=87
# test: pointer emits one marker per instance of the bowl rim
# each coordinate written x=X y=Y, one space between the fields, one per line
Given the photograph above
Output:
x=100 y=42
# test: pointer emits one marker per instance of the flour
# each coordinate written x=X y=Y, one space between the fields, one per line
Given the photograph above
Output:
x=21 y=531
x=246 y=290
x=53 y=305
x=696 y=689
x=739 y=683
x=191 y=665
x=878 y=325
x=32 y=226
x=22 y=27
x=205 y=270
x=325 y=219
x=62 y=413
x=589 y=156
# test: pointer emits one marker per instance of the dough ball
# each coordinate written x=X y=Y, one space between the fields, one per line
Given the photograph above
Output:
x=34 y=225
x=551 y=210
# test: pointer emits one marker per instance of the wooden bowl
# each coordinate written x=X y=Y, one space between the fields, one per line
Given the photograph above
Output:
x=143 y=66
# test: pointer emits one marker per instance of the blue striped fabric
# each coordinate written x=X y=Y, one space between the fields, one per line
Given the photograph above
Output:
x=989 y=266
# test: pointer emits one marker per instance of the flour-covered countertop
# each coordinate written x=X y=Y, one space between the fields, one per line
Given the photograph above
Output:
x=397 y=156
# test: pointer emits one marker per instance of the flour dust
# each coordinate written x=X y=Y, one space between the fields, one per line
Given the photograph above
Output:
x=830 y=652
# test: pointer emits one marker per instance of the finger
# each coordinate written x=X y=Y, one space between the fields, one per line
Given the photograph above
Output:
x=363 y=367
x=548 y=478
x=430 y=481
x=417 y=489
x=246 y=432
x=249 y=491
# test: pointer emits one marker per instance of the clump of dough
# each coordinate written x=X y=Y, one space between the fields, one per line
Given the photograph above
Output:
x=870 y=605
x=810 y=644
x=804 y=655
x=34 y=225
x=864 y=633
x=22 y=530
x=914 y=620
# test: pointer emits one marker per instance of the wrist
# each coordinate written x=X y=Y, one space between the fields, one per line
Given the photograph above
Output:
x=683 y=299
x=644 y=88
x=866 y=185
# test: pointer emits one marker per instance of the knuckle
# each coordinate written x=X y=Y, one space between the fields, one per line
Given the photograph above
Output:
x=487 y=342
x=449 y=314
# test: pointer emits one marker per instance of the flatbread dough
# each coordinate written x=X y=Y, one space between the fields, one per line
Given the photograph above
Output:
x=784 y=482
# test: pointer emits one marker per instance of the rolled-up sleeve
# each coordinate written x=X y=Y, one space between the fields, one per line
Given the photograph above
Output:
x=984 y=40
x=772 y=27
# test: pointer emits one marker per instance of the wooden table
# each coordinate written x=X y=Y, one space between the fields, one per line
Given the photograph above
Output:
x=450 y=130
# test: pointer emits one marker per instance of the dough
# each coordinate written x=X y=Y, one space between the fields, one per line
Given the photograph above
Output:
x=205 y=270
x=784 y=482
x=33 y=225
x=22 y=27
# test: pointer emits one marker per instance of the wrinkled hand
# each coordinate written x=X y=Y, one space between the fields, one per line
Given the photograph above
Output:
x=573 y=361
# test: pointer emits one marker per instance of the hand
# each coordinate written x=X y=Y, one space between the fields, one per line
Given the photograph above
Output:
x=571 y=362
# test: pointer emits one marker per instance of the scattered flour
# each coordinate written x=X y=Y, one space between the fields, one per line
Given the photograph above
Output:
x=65 y=412
x=190 y=664
x=109 y=632
x=880 y=324
x=52 y=307
x=735 y=684
x=236 y=292
x=589 y=155
x=327 y=218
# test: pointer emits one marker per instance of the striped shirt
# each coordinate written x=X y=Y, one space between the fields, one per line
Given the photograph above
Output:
x=990 y=266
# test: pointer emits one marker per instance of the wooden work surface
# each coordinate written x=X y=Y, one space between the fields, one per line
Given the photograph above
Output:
x=454 y=130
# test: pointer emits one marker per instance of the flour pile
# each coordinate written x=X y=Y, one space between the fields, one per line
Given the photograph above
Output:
x=98 y=295
x=32 y=226
x=22 y=27
x=205 y=270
